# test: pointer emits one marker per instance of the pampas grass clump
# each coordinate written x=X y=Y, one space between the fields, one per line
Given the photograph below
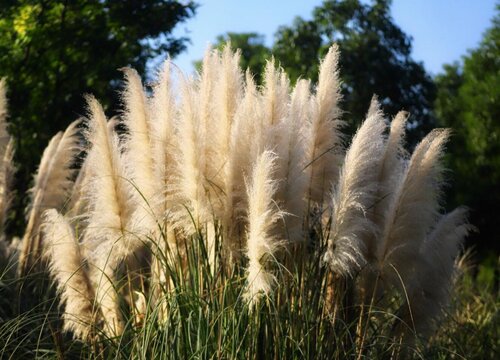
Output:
x=245 y=196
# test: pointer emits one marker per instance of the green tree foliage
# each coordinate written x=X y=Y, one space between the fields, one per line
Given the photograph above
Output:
x=53 y=52
x=375 y=58
x=468 y=101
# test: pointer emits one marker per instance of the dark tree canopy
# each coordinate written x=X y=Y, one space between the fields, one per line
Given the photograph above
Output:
x=375 y=59
x=53 y=52
x=468 y=101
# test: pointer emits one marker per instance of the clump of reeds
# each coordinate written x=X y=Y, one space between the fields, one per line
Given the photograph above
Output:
x=231 y=169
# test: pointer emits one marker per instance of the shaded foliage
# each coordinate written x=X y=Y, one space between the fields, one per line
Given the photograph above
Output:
x=468 y=101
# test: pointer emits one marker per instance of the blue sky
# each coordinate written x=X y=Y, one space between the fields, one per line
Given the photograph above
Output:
x=442 y=30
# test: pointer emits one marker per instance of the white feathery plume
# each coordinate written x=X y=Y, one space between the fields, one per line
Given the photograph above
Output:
x=435 y=269
x=227 y=97
x=107 y=235
x=109 y=190
x=413 y=210
x=212 y=198
x=214 y=125
x=138 y=154
x=206 y=88
x=394 y=150
x=6 y=169
x=275 y=93
x=439 y=253
x=190 y=161
x=52 y=185
x=68 y=270
x=103 y=276
x=292 y=190
x=239 y=165
x=6 y=156
x=78 y=203
x=390 y=172
x=40 y=178
x=323 y=133
x=6 y=174
x=163 y=141
x=196 y=163
x=193 y=162
x=323 y=141
x=355 y=194
x=275 y=99
x=54 y=178
x=262 y=217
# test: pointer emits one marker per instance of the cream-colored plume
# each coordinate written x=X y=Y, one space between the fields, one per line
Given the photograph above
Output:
x=54 y=178
x=70 y=274
x=413 y=210
x=52 y=186
x=164 y=144
x=227 y=98
x=275 y=93
x=274 y=103
x=6 y=174
x=292 y=189
x=430 y=291
x=323 y=141
x=78 y=202
x=107 y=237
x=190 y=162
x=355 y=194
x=6 y=170
x=263 y=215
x=162 y=109
x=390 y=173
x=240 y=160
x=138 y=154
x=195 y=162
x=109 y=191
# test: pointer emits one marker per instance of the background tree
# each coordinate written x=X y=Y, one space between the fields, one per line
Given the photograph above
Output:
x=375 y=58
x=53 y=52
x=468 y=101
